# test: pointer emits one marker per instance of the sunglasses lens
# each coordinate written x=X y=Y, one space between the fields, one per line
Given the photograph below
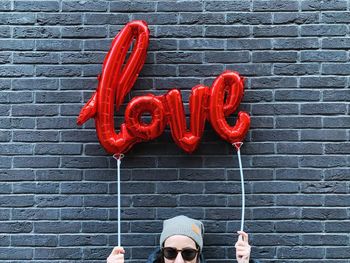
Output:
x=188 y=254
x=169 y=253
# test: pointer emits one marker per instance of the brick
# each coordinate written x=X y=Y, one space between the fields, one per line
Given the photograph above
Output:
x=17 y=201
x=16 y=175
x=35 y=162
x=58 y=19
x=336 y=95
x=201 y=18
x=284 y=240
x=323 y=108
x=294 y=226
x=272 y=56
x=323 y=161
x=84 y=32
x=58 y=201
x=34 y=240
x=296 y=69
x=322 y=135
x=337 y=148
x=337 y=226
x=34 y=84
x=275 y=5
x=335 y=17
x=37 y=58
x=276 y=213
x=15 y=149
x=299 y=148
x=324 y=213
x=323 y=187
x=179 y=31
x=298 y=18
x=102 y=19
x=36 y=32
x=184 y=6
x=277 y=135
x=296 y=43
x=297 y=95
x=301 y=252
x=337 y=253
x=323 y=30
x=275 y=31
x=34 y=110
x=275 y=187
x=178 y=57
x=269 y=161
x=33 y=136
x=273 y=82
x=15 y=19
x=335 y=122
x=324 y=239
x=57 y=253
x=322 y=82
x=16 y=227
x=16 y=71
x=57 y=227
x=244 y=44
x=200 y=44
x=5 y=5
x=16 y=253
x=232 y=5
x=35 y=214
x=135 y=6
x=248 y=18
x=336 y=201
x=227 y=31
x=299 y=200
x=338 y=174
x=58 y=71
x=335 y=43
x=40 y=6
x=74 y=6
x=58 y=45
x=313 y=5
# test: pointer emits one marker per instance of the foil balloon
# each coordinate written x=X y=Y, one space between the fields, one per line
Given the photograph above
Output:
x=114 y=83
x=214 y=104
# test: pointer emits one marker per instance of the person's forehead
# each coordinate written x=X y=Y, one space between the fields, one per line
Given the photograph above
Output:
x=179 y=241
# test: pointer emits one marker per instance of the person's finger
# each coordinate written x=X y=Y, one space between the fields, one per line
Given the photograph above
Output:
x=244 y=236
x=118 y=250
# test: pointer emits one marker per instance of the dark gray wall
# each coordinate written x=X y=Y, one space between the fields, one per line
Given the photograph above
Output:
x=58 y=192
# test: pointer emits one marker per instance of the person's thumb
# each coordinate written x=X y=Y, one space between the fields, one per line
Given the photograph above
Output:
x=118 y=250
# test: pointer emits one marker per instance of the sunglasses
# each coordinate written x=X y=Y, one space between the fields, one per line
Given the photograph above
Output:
x=187 y=254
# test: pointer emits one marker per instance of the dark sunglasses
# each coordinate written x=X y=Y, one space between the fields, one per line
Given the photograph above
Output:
x=187 y=254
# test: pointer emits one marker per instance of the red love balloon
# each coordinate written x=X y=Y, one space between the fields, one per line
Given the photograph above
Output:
x=214 y=104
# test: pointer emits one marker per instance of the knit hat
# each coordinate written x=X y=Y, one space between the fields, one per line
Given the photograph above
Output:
x=183 y=225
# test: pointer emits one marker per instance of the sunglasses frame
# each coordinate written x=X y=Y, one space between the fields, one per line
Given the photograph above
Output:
x=181 y=251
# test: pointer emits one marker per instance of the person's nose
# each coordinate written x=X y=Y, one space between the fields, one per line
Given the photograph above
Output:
x=179 y=259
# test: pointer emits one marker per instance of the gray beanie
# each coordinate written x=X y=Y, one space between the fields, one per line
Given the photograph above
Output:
x=183 y=225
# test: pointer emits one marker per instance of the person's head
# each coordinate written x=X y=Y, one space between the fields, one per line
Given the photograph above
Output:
x=181 y=240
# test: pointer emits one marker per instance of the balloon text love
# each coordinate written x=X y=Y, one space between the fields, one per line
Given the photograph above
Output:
x=213 y=104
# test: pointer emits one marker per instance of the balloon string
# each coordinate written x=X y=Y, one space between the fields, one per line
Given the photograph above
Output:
x=118 y=157
x=238 y=148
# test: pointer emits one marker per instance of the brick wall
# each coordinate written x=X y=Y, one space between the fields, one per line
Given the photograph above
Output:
x=58 y=190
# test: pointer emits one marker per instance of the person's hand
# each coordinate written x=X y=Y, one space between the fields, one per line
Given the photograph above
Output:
x=242 y=248
x=117 y=255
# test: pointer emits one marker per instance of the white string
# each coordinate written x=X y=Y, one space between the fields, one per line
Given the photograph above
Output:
x=118 y=158
x=118 y=164
x=242 y=186
x=238 y=148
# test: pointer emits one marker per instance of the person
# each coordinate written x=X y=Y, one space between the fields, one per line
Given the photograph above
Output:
x=181 y=241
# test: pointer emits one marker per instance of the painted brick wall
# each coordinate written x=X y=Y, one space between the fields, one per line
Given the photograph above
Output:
x=58 y=191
